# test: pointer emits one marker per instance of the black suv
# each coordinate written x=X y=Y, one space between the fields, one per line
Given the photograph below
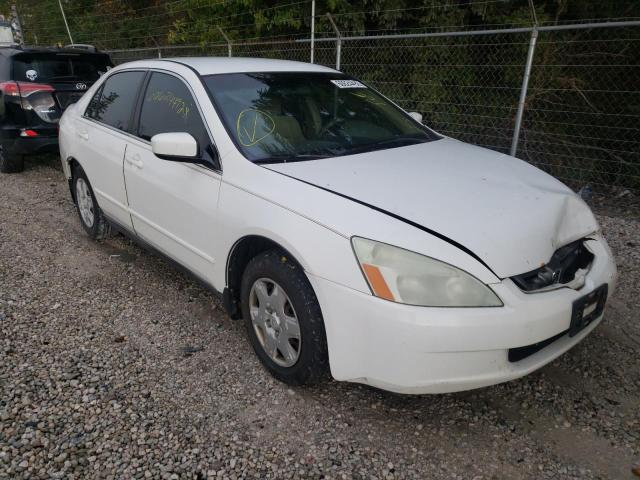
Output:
x=36 y=85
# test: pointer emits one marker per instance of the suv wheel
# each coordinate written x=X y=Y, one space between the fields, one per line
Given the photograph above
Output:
x=283 y=319
x=91 y=217
x=10 y=163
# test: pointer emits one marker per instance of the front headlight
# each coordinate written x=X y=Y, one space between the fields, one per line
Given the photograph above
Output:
x=402 y=276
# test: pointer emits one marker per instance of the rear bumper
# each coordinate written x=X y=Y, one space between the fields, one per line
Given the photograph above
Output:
x=410 y=349
x=44 y=143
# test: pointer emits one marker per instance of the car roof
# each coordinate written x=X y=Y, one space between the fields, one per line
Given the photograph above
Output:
x=216 y=65
x=11 y=50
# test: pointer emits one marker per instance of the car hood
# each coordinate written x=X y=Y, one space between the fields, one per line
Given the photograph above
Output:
x=506 y=212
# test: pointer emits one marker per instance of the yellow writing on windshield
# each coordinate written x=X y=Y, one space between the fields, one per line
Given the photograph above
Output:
x=253 y=126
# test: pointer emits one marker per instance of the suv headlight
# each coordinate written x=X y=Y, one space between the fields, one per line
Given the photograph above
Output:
x=407 y=277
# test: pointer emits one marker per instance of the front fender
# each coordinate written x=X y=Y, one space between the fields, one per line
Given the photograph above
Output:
x=318 y=249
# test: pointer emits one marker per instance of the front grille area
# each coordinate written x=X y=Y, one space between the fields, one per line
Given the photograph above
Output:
x=67 y=98
x=560 y=270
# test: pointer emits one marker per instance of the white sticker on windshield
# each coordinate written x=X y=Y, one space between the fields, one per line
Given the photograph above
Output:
x=31 y=74
x=348 y=84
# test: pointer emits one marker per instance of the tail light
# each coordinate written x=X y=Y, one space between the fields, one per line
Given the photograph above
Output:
x=27 y=132
x=24 y=89
x=34 y=96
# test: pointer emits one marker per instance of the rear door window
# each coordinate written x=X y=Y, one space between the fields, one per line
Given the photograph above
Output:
x=115 y=101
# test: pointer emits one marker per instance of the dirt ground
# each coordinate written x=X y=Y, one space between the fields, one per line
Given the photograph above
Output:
x=114 y=365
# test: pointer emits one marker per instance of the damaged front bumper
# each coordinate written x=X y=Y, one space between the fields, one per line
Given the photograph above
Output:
x=409 y=349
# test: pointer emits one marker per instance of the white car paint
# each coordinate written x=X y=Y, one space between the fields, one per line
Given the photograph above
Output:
x=106 y=149
x=174 y=144
x=171 y=206
x=490 y=215
x=439 y=183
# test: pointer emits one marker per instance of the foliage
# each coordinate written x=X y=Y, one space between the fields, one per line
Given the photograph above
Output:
x=138 y=23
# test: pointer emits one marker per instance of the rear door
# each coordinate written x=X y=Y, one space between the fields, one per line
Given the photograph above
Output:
x=173 y=205
x=102 y=134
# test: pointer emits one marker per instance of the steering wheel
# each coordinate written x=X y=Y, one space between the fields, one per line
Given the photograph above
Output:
x=330 y=125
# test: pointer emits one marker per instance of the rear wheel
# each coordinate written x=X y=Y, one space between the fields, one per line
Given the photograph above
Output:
x=91 y=217
x=10 y=163
x=283 y=319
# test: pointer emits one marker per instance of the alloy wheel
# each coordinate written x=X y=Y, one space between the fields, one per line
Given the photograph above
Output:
x=275 y=322
x=85 y=202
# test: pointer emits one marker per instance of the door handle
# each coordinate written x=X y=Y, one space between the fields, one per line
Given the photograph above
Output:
x=135 y=160
x=83 y=135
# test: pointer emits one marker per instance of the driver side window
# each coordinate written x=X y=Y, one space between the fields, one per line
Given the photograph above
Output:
x=168 y=106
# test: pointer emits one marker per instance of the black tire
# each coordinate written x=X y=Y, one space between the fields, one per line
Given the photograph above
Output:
x=312 y=363
x=10 y=163
x=99 y=228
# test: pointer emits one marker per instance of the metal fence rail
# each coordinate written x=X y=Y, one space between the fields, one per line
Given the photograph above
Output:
x=565 y=98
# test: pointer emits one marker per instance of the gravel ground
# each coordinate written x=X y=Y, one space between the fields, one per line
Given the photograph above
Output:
x=114 y=365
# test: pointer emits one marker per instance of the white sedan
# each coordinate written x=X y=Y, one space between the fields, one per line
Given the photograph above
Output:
x=348 y=236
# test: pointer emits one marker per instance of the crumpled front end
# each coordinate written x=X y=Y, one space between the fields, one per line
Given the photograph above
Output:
x=411 y=349
x=508 y=213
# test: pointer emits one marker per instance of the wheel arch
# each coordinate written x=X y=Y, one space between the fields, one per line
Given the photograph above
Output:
x=70 y=164
x=240 y=254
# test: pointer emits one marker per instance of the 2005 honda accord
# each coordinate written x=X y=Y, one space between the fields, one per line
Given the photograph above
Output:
x=348 y=236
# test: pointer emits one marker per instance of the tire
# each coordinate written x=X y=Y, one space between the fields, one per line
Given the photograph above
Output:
x=274 y=274
x=10 y=163
x=91 y=217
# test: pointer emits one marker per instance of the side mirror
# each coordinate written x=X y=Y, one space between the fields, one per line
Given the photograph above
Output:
x=175 y=146
x=416 y=116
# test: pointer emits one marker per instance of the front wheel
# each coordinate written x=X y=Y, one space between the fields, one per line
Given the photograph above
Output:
x=283 y=319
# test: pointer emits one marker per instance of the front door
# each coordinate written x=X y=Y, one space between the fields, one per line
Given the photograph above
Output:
x=173 y=205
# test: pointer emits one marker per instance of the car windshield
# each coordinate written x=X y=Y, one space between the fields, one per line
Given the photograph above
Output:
x=283 y=116
x=51 y=67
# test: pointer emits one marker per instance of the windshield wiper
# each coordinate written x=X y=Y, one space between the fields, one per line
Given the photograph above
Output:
x=399 y=141
x=287 y=158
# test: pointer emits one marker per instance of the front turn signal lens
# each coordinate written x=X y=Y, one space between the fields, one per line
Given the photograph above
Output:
x=376 y=281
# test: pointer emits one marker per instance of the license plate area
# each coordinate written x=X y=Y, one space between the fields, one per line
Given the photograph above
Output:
x=586 y=309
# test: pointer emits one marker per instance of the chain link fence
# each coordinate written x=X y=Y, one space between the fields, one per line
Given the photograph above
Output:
x=581 y=120
x=578 y=118
x=466 y=87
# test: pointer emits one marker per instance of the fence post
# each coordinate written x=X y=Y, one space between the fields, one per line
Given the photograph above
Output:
x=64 y=17
x=523 y=91
x=17 y=25
x=313 y=29
x=338 y=41
x=157 y=47
x=227 y=39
